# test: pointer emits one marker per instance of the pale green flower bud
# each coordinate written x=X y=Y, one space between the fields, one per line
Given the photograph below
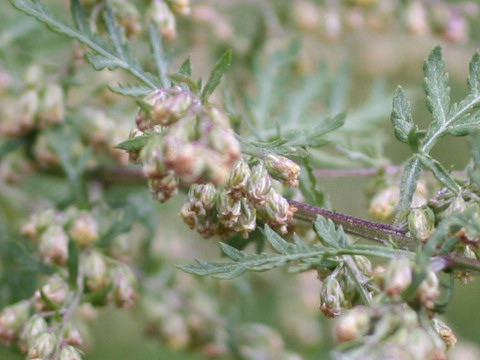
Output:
x=84 y=229
x=164 y=188
x=160 y=14
x=52 y=106
x=276 y=212
x=96 y=271
x=35 y=326
x=175 y=331
x=383 y=204
x=364 y=264
x=429 y=290
x=259 y=184
x=421 y=346
x=247 y=221
x=43 y=346
x=23 y=117
x=152 y=158
x=457 y=205
x=331 y=297
x=421 y=223
x=56 y=290
x=144 y=118
x=53 y=246
x=12 y=319
x=34 y=75
x=124 y=284
x=180 y=7
x=398 y=276
x=127 y=16
x=228 y=209
x=71 y=335
x=238 y=179
x=282 y=169
x=445 y=332
x=352 y=325
x=68 y=352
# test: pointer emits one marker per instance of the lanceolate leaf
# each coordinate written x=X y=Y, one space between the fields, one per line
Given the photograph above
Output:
x=217 y=73
x=161 y=61
x=131 y=90
x=134 y=144
x=436 y=87
x=439 y=172
x=410 y=178
x=401 y=116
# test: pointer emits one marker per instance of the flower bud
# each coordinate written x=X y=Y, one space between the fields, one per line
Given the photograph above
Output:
x=52 y=107
x=259 y=184
x=282 y=169
x=43 y=346
x=127 y=16
x=352 y=325
x=429 y=290
x=228 y=209
x=174 y=107
x=331 y=297
x=276 y=212
x=12 y=319
x=160 y=15
x=180 y=7
x=124 y=284
x=69 y=352
x=383 y=204
x=53 y=246
x=95 y=271
x=421 y=223
x=164 y=188
x=152 y=159
x=71 y=335
x=398 y=276
x=364 y=264
x=38 y=223
x=238 y=179
x=84 y=229
x=56 y=290
x=35 y=326
x=445 y=332
x=246 y=222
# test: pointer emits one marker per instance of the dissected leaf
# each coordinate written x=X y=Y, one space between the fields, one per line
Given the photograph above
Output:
x=440 y=173
x=401 y=116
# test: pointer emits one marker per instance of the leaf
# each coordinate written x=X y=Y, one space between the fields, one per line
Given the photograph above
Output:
x=465 y=125
x=73 y=264
x=134 y=144
x=278 y=243
x=186 y=68
x=474 y=75
x=139 y=91
x=408 y=186
x=401 y=116
x=326 y=230
x=104 y=56
x=161 y=61
x=231 y=252
x=216 y=74
x=436 y=87
x=79 y=18
x=440 y=173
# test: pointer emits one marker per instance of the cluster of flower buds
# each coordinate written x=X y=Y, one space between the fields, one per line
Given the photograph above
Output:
x=37 y=107
x=34 y=324
x=398 y=276
x=189 y=142
x=441 y=18
x=248 y=196
x=392 y=331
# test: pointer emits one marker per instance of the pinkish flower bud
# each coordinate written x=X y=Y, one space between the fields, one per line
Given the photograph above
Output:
x=429 y=290
x=12 y=319
x=238 y=179
x=164 y=188
x=160 y=15
x=247 y=221
x=152 y=158
x=56 y=290
x=398 y=276
x=52 y=107
x=259 y=184
x=352 y=325
x=124 y=284
x=282 y=169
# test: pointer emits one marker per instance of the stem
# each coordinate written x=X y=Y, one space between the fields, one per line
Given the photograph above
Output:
x=383 y=233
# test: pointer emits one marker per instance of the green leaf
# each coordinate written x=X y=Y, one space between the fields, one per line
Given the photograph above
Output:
x=474 y=75
x=408 y=186
x=186 y=68
x=104 y=56
x=216 y=74
x=48 y=301
x=73 y=264
x=401 y=116
x=278 y=243
x=187 y=80
x=231 y=252
x=465 y=125
x=79 y=17
x=134 y=144
x=326 y=230
x=440 y=173
x=139 y=91
x=161 y=61
x=436 y=87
